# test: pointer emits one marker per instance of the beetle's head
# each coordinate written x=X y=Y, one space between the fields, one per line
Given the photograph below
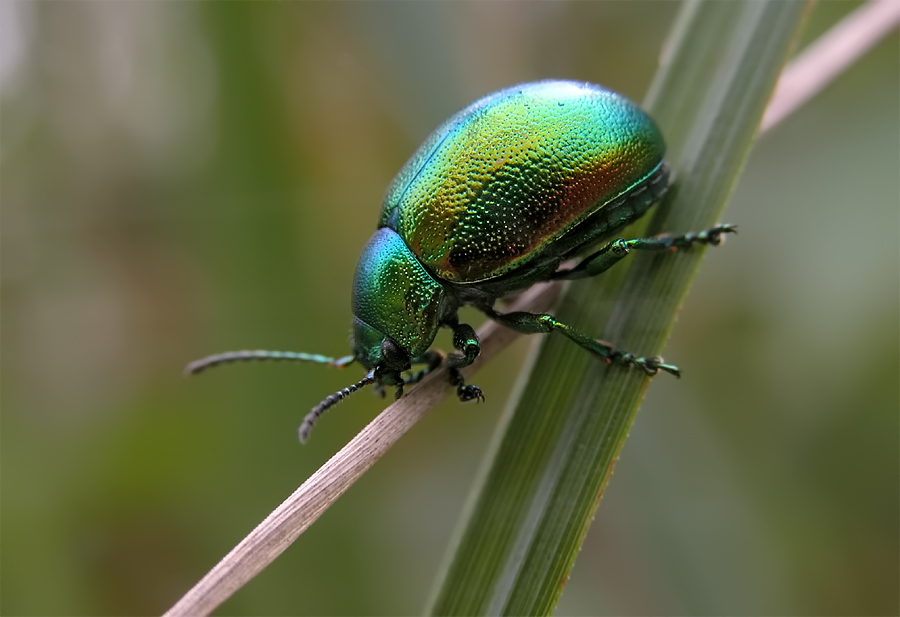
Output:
x=396 y=304
x=396 y=308
x=377 y=351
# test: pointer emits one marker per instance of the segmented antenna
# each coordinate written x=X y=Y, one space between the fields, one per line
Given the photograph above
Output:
x=330 y=401
x=259 y=354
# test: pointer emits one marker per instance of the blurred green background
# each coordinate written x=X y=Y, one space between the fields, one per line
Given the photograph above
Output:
x=180 y=179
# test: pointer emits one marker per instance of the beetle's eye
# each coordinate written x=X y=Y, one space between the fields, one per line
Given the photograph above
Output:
x=393 y=356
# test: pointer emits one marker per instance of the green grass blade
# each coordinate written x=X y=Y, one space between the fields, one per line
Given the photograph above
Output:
x=560 y=442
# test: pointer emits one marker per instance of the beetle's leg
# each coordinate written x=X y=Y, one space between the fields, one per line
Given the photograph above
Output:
x=531 y=323
x=379 y=389
x=466 y=341
x=612 y=253
x=465 y=392
x=432 y=358
x=601 y=261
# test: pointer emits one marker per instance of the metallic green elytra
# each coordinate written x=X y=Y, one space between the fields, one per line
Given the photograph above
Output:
x=496 y=200
x=500 y=182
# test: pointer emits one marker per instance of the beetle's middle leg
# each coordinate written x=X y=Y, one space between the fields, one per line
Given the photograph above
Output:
x=532 y=323
x=612 y=253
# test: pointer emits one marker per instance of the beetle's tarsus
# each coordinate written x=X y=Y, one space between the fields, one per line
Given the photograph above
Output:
x=711 y=237
x=650 y=366
x=669 y=368
x=464 y=392
x=470 y=393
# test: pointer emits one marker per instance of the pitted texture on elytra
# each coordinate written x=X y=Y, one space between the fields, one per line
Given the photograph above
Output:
x=516 y=170
x=395 y=295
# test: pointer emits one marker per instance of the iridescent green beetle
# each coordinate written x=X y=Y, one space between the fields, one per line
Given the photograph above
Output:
x=494 y=201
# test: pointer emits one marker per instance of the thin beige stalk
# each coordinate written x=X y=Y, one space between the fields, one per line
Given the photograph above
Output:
x=830 y=55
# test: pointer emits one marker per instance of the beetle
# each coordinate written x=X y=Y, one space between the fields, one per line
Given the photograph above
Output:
x=496 y=200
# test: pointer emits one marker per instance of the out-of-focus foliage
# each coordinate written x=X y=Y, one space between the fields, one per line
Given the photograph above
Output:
x=185 y=178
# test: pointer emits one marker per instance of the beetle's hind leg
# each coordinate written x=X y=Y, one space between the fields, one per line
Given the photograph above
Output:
x=612 y=253
x=532 y=323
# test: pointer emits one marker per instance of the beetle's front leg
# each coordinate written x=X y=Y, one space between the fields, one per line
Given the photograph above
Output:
x=432 y=358
x=612 y=253
x=466 y=341
x=531 y=323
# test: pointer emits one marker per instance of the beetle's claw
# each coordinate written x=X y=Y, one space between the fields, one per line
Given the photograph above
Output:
x=469 y=393
x=655 y=364
x=715 y=235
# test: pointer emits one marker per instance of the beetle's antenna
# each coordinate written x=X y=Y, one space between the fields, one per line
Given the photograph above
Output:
x=239 y=356
x=330 y=401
